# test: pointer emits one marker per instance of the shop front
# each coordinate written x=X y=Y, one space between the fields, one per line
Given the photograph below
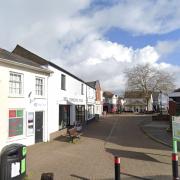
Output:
x=64 y=116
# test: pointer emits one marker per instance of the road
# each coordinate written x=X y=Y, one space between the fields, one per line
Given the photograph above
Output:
x=92 y=156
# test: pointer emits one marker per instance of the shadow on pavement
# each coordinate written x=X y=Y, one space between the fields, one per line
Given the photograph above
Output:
x=158 y=177
x=131 y=155
x=79 y=177
x=134 y=155
x=129 y=177
x=122 y=130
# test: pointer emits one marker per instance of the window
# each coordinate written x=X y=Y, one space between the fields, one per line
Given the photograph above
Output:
x=80 y=113
x=39 y=86
x=63 y=82
x=64 y=116
x=82 y=89
x=90 y=111
x=16 y=84
x=15 y=122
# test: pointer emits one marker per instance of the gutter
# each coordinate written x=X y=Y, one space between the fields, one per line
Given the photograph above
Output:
x=40 y=69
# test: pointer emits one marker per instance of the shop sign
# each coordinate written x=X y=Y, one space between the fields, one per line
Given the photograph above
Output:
x=72 y=99
x=176 y=128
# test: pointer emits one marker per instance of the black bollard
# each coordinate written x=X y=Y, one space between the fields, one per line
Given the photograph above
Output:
x=117 y=167
x=175 y=166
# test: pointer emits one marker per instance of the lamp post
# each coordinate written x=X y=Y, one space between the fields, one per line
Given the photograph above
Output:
x=160 y=102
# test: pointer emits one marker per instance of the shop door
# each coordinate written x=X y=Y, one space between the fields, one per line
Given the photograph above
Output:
x=64 y=116
x=38 y=126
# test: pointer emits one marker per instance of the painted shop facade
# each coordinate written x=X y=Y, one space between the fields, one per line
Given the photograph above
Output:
x=23 y=108
x=40 y=100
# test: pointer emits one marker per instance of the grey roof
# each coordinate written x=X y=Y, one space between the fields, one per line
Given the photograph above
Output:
x=108 y=94
x=92 y=84
x=37 y=59
x=6 y=55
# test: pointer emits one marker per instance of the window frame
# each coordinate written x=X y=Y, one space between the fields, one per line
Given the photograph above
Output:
x=39 y=85
x=23 y=123
x=13 y=83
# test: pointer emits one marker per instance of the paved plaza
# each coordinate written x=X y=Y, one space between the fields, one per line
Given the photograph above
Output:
x=91 y=157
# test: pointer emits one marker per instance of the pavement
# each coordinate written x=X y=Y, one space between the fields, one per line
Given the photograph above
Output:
x=157 y=130
x=92 y=157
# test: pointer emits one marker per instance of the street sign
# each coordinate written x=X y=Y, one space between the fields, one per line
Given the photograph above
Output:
x=176 y=128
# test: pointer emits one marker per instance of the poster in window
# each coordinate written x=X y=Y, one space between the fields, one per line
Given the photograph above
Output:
x=30 y=123
x=15 y=122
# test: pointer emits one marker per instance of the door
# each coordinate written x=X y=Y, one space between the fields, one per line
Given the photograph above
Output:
x=38 y=126
x=64 y=116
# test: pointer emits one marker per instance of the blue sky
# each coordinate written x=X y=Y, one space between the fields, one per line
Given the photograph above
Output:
x=96 y=39
x=139 y=41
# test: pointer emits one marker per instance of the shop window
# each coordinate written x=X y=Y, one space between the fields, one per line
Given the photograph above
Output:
x=80 y=113
x=16 y=122
x=90 y=111
x=39 y=89
x=63 y=82
x=15 y=83
x=64 y=116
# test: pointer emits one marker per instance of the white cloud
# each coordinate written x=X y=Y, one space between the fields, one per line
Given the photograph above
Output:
x=141 y=17
x=59 y=32
x=167 y=47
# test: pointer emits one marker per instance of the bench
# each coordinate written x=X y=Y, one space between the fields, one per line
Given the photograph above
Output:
x=73 y=133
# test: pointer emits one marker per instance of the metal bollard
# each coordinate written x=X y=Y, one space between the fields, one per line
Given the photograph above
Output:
x=47 y=176
x=175 y=166
x=117 y=168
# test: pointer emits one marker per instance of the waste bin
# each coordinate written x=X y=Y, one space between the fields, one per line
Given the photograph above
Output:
x=13 y=162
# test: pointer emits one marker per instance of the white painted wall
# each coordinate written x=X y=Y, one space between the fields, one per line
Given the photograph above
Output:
x=22 y=102
x=91 y=101
x=71 y=96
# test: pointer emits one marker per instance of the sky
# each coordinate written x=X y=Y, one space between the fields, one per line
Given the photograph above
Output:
x=96 y=39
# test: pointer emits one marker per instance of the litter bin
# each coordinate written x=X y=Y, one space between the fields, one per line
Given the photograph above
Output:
x=13 y=162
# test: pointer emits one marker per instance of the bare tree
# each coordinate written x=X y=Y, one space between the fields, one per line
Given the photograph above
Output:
x=147 y=79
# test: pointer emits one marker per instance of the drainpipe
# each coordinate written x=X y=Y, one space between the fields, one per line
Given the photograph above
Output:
x=48 y=138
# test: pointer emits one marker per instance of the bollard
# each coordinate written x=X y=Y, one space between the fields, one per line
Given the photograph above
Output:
x=175 y=166
x=47 y=176
x=117 y=167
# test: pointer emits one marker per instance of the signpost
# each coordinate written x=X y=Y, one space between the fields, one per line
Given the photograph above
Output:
x=176 y=138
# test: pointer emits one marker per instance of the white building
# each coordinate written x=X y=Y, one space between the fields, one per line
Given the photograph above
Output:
x=70 y=99
x=110 y=102
x=98 y=109
x=137 y=101
x=90 y=98
x=23 y=94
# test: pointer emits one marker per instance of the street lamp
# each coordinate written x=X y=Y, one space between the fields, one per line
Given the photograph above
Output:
x=160 y=93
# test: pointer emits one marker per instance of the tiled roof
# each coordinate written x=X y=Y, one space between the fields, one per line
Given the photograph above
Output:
x=108 y=94
x=92 y=84
x=6 y=55
x=27 y=54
